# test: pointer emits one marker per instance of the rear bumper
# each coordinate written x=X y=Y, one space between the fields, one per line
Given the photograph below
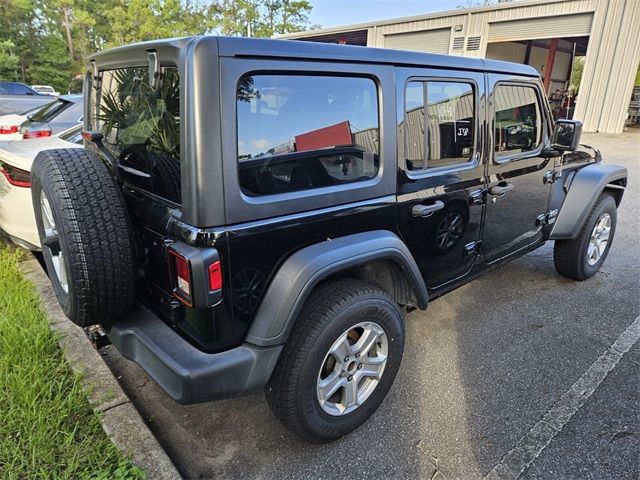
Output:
x=187 y=374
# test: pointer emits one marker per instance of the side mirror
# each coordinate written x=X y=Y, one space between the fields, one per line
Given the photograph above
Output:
x=566 y=135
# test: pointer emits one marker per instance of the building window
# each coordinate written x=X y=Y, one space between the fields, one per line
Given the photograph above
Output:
x=518 y=123
x=445 y=137
x=301 y=132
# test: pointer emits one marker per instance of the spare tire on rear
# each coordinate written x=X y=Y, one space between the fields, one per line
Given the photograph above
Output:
x=85 y=235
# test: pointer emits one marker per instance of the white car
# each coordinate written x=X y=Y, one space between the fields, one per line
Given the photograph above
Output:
x=10 y=124
x=44 y=121
x=16 y=210
x=45 y=89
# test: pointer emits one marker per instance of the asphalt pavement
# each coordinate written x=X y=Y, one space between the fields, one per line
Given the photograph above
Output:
x=482 y=367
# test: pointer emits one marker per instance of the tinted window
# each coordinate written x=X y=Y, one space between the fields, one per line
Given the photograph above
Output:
x=6 y=88
x=49 y=111
x=141 y=126
x=70 y=114
x=448 y=138
x=302 y=132
x=518 y=123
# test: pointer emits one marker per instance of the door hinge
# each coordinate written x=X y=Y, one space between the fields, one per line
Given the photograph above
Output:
x=472 y=248
x=551 y=176
x=548 y=218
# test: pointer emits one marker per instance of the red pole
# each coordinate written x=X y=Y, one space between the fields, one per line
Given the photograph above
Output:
x=548 y=67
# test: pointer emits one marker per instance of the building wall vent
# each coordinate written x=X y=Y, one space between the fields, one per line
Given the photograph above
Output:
x=473 y=43
x=458 y=43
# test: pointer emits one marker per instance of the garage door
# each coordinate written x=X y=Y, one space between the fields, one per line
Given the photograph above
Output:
x=435 y=41
x=546 y=27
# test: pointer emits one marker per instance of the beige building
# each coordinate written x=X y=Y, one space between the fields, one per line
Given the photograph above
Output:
x=546 y=34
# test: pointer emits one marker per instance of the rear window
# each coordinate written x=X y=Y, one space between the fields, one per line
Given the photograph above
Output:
x=141 y=126
x=301 y=132
x=49 y=111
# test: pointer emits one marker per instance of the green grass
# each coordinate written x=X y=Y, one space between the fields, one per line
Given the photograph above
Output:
x=47 y=427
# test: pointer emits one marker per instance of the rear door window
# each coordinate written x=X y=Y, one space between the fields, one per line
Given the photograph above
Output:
x=141 y=126
x=302 y=132
x=444 y=137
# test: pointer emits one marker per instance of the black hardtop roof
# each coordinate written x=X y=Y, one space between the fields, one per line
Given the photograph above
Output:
x=305 y=50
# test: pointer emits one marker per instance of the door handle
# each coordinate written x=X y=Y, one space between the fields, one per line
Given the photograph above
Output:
x=500 y=190
x=427 y=210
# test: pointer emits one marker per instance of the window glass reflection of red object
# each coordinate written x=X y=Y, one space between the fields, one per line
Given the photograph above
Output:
x=332 y=136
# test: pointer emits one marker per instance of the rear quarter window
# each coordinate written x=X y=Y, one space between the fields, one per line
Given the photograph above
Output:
x=141 y=126
x=302 y=132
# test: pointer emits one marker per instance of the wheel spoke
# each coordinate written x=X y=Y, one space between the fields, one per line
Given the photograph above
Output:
x=328 y=386
x=342 y=349
x=367 y=340
x=373 y=367
x=350 y=395
x=52 y=242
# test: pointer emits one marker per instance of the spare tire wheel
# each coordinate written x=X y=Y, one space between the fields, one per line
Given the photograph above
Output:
x=85 y=235
x=166 y=176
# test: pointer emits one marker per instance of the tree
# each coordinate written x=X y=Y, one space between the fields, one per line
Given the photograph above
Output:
x=47 y=41
x=8 y=61
x=263 y=18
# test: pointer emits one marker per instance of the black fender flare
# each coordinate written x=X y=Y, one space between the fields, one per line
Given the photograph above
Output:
x=584 y=189
x=304 y=269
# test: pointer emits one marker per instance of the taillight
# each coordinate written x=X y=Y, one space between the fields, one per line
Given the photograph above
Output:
x=215 y=276
x=196 y=275
x=15 y=176
x=182 y=270
x=36 y=133
x=8 y=129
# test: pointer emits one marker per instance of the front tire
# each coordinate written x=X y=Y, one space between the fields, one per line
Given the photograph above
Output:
x=340 y=361
x=583 y=256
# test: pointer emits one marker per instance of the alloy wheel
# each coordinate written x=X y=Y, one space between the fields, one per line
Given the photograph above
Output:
x=352 y=368
x=51 y=242
x=599 y=239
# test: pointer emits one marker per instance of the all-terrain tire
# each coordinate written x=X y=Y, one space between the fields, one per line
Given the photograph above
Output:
x=92 y=239
x=332 y=309
x=570 y=257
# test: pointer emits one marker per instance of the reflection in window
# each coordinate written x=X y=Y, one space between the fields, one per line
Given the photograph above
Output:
x=300 y=132
x=518 y=124
x=450 y=133
x=141 y=126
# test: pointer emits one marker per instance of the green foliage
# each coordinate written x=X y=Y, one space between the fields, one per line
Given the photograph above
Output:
x=576 y=74
x=8 y=60
x=47 y=427
x=141 y=115
x=263 y=18
x=46 y=41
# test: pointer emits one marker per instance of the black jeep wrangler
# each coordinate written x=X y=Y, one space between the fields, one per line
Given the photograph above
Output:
x=252 y=214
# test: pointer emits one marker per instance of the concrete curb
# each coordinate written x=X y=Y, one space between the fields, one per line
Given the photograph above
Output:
x=120 y=419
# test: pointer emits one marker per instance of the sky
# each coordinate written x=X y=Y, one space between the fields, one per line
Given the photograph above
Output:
x=331 y=13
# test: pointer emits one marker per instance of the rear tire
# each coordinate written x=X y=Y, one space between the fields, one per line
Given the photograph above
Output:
x=340 y=311
x=85 y=235
x=577 y=259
